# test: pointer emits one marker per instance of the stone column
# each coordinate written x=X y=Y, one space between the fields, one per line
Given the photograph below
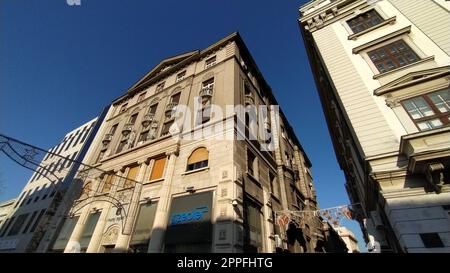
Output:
x=73 y=243
x=302 y=183
x=268 y=227
x=125 y=236
x=96 y=239
x=275 y=118
x=162 y=212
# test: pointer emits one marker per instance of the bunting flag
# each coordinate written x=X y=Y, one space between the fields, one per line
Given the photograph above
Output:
x=333 y=215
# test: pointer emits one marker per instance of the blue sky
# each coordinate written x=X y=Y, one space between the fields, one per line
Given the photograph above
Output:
x=60 y=65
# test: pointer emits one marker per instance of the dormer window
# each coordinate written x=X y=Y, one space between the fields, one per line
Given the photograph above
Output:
x=210 y=62
x=180 y=76
x=160 y=87
x=365 y=21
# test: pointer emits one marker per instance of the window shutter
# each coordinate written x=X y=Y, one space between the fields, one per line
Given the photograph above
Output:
x=158 y=168
x=199 y=155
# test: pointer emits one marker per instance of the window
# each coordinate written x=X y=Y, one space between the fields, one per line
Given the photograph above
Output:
x=143 y=228
x=6 y=225
x=25 y=230
x=122 y=145
x=210 y=62
x=123 y=108
x=251 y=163
x=429 y=111
x=208 y=84
x=36 y=223
x=113 y=129
x=88 y=230
x=364 y=21
x=17 y=226
x=158 y=168
x=152 y=108
x=431 y=240
x=205 y=111
x=108 y=183
x=198 y=159
x=392 y=56
x=65 y=233
x=160 y=87
x=181 y=76
x=166 y=128
x=72 y=159
x=79 y=136
x=175 y=98
x=141 y=97
x=274 y=186
x=131 y=176
x=252 y=227
x=133 y=119
x=143 y=136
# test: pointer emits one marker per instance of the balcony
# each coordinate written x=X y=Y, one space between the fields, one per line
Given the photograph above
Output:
x=171 y=106
x=147 y=119
x=428 y=153
x=206 y=92
x=249 y=99
x=107 y=139
x=127 y=129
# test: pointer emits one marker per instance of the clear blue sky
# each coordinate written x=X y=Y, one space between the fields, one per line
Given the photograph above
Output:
x=60 y=64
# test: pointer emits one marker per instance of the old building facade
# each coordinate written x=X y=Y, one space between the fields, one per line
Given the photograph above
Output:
x=155 y=186
x=382 y=72
x=30 y=217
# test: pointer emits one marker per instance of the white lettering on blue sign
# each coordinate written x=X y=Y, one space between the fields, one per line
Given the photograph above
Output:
x=190 y=216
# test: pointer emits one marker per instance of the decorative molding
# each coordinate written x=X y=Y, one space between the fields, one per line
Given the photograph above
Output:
x=405 y=30
x=377 y=76
x=389 y=21
x=413 y=78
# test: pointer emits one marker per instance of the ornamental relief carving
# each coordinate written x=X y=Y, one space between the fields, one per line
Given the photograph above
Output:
x=392 y=102
x=110 y=236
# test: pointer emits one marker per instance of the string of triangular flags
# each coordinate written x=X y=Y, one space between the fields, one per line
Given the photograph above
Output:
x=333 y=215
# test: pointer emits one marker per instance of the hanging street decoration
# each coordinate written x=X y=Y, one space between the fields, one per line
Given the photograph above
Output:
x=332 y=215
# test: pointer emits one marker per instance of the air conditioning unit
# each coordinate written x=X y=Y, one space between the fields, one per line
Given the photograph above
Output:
x=278 y=241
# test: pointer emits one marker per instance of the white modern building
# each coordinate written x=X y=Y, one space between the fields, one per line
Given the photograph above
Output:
x=5 y=209
x=382 y=72
x=30 y=214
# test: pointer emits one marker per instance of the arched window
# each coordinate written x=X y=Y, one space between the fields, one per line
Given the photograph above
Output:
x=198 y=159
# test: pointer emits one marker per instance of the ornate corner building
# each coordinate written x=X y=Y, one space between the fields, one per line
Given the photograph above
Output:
x=382 y=72
x=149 y=191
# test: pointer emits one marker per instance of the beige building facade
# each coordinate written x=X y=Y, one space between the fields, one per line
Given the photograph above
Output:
x=155 y=185
x=382 y=72
x=349 y=238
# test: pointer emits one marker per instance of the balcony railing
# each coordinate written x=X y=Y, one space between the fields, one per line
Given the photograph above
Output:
x=107 y=139
x=127 y=129
x=249 y=99
x=147 y=119
x=206 y=92
x=171 y=105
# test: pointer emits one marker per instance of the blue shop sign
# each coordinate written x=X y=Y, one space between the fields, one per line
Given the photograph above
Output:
x=189 y=216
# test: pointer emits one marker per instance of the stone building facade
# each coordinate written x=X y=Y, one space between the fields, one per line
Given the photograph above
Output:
x=382 y=72
x=154 y=186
